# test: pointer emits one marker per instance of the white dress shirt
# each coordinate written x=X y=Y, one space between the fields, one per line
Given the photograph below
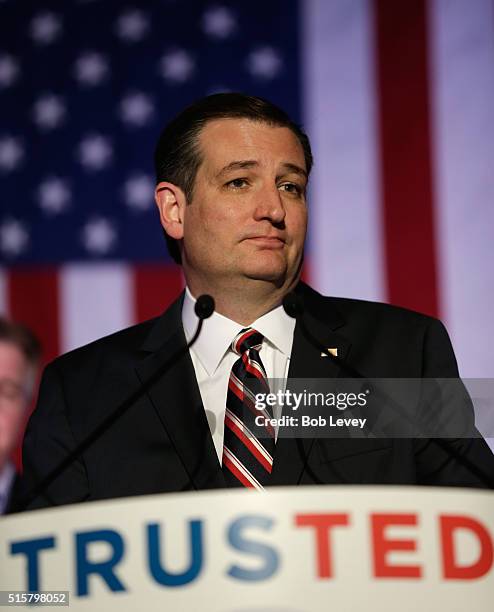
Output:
x=213 y=358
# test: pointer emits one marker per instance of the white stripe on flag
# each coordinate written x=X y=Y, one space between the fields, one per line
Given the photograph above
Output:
x=462 y=64
x=96 y=300
x=340 y=117
x=3 y=293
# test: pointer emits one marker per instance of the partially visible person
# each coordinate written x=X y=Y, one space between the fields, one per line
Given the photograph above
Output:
x=231 y=180
x=20 y=353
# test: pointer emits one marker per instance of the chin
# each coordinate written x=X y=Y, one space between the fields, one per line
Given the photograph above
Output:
x=266 y=266
x=265 y=273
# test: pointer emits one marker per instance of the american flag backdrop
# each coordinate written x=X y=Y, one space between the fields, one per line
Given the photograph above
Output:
x=397 y=97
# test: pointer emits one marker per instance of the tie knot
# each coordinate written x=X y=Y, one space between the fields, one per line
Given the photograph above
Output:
x=246 y=339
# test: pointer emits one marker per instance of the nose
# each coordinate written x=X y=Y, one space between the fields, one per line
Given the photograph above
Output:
x=270 y=206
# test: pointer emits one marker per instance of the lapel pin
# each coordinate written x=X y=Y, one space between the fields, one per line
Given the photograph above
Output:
x=333 y=351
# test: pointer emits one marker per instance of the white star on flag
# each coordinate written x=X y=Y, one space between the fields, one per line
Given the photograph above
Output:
x=139 y=192
x=95 y=152
x=45 y=28
x=48 y=112
x=136 y=109
x=91 y=68
x=177 y=66
x=265 y=63
x=9 y=70
x=54 y=195
x=132 y=25
x=99 y=236
x=11 y=153
x=14 y=237
x=219 y=22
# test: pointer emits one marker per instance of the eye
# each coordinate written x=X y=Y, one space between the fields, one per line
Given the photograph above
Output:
x=292 y=188
x=238 y=183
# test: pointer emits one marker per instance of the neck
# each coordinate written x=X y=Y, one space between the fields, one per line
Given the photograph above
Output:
x=246 y=302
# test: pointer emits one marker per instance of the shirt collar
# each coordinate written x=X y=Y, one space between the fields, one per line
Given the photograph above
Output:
x=218 y=331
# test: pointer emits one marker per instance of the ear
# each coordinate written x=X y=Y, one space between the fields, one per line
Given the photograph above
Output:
x=170 y=200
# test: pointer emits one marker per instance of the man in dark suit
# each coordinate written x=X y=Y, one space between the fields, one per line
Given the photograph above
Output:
x=232 y=173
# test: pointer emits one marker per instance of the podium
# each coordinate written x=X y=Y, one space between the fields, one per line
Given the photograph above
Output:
x=342 y=548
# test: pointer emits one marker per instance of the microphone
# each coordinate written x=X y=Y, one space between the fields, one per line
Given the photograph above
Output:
x=294 y=307
x=204 y=308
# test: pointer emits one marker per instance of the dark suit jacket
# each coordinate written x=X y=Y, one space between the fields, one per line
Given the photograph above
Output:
x=163 y=442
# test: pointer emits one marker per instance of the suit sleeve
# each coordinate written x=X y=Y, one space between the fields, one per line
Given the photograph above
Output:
x=48 y=440
x=451 y=461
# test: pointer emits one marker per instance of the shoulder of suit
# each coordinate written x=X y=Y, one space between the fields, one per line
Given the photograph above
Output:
x=381 y=310
x=370 y=312
x=124 y=341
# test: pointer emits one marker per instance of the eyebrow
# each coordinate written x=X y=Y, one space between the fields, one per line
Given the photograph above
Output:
x=295 y=169
x=237 y=165
x=251 y=163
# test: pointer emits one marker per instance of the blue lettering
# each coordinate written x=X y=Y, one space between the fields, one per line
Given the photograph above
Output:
x=162 y=576
x=31 y=548
x=85 y=567
x=266 y=553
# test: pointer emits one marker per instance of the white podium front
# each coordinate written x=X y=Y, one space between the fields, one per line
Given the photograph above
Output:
x=288 y=549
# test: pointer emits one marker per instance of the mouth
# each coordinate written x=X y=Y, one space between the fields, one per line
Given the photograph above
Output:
x=267 y=242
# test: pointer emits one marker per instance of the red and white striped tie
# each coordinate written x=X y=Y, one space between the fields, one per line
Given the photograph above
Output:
x=247 y=457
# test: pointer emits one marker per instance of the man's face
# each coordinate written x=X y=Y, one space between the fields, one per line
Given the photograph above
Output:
x=248 y=215
x=15 y=374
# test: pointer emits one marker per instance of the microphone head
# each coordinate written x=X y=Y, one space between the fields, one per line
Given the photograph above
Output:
x=293 y=305
x=204 y=306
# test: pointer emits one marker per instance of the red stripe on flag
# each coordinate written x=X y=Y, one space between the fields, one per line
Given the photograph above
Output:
x=32 y=295
x=155 y=288
x=34 y=300
x=406 y=174
x=306 y=275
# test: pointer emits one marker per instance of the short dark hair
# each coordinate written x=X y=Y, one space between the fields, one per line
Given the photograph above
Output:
x=177 y=156
x=23 y=338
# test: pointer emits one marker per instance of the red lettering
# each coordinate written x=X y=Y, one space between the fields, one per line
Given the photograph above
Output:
x=382 y=546
x=322 y=523
x=451 y=568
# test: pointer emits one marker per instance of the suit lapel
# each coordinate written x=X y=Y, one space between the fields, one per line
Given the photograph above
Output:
x=322 y=321
x=177 y=400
